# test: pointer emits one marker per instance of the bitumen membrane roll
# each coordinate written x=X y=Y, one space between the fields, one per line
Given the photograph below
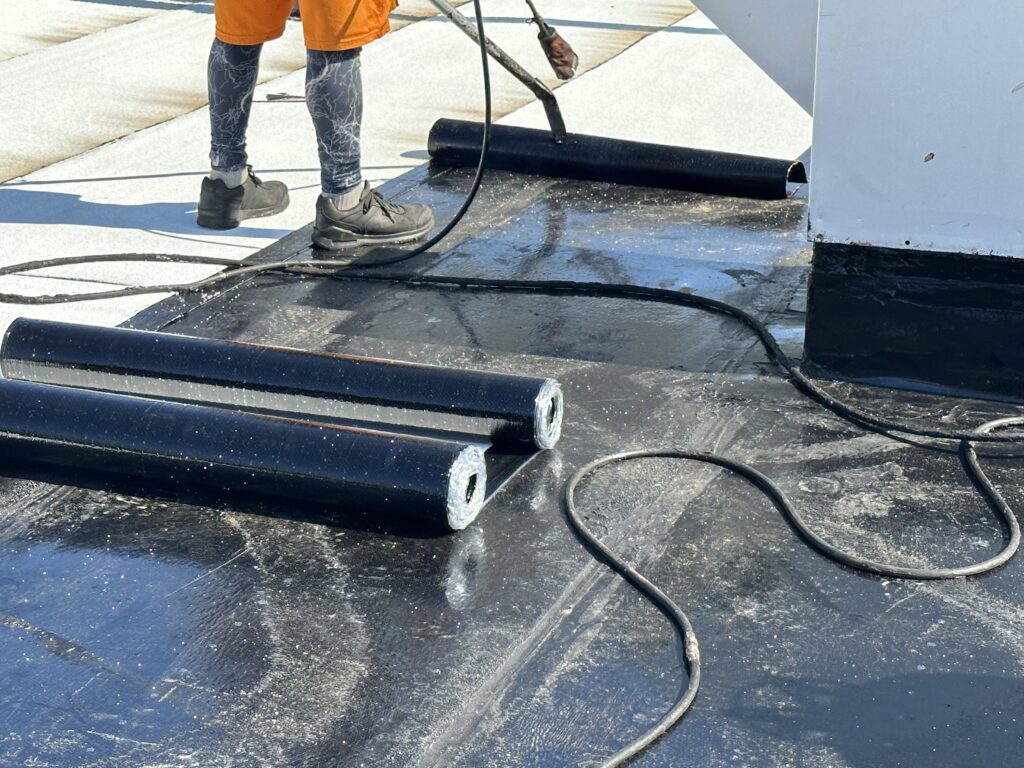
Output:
x=441 y=483
x=507 y=411
x=594 y=158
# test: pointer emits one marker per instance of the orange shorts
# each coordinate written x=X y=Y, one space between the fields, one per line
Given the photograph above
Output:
x=327 y=25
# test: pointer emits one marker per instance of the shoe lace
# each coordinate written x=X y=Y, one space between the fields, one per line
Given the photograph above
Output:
x=389 y=209
x=255 y=179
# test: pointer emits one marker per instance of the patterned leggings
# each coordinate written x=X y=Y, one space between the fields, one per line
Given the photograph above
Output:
x=334 y=96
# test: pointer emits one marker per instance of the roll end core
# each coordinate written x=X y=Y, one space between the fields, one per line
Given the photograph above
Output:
x=550 y=408
x=467 y=488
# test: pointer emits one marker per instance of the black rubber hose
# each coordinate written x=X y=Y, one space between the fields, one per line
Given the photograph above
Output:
x=340 y=269
x=485 y=145
x=680 y=621
x=775 y=353
x=969 y=456
x=65 y=261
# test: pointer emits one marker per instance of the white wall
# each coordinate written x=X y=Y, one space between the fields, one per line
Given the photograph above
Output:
x=779 y=35
x=919 y=125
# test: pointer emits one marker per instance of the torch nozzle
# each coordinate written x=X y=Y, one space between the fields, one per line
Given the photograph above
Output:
x=559 y=53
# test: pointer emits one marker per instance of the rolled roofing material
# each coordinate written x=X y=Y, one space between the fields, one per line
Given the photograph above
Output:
x=596 y=158
x=509 y=411
x=77 y=430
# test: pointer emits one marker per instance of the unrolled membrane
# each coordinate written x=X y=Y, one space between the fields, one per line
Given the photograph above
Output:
x=439 y=482
x=597 y=158
x=508 y=411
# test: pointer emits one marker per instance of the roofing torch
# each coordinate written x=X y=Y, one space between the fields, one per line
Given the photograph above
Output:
x=560 y=55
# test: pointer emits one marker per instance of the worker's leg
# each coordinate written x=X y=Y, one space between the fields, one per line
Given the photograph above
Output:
x=231 y=81
x=334 y=97
x=348 y=211
x=231 y=193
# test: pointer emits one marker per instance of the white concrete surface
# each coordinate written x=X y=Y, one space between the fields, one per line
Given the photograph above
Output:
x=137 y=193
x=781 y=36
x=917 y=140
x=32 y=25
x=69 y=98
x=66 y=99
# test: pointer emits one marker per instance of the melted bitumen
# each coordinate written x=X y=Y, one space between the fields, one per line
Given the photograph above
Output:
x=156 y=632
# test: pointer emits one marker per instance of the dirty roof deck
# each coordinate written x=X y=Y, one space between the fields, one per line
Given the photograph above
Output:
x=168 y=632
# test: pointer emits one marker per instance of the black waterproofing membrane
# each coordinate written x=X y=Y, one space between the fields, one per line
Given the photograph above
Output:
x=516 y=412
x=505 y=419
x=594 y=158
x=76 y=431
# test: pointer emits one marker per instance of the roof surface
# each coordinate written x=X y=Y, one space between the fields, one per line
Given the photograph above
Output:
x=154 y=632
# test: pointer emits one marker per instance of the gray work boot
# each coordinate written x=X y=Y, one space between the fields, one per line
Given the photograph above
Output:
x=223 y=208
x=373 y=220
